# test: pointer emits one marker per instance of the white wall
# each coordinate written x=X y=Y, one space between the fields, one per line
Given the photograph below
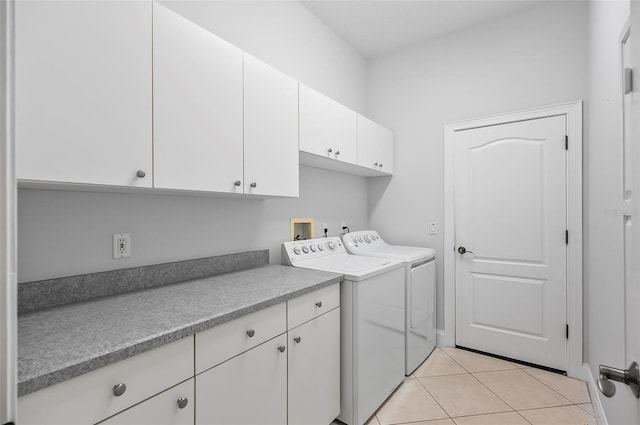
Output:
x=66 y=233
x=287 y=36
x=533 y=58
x=604 y=296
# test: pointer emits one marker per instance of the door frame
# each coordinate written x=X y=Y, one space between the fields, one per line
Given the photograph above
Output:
x=8 y=223
x=573 y=113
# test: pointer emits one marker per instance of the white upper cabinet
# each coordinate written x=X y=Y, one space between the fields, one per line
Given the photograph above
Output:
x=270 y=130
x=83 y=92
x=327 y=128
x=375 y=146
x=197 y=99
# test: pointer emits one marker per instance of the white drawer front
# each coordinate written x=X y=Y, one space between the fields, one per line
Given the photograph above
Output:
x=162 y=409
x=306 y=307
x=220 y=343
x=89 y=398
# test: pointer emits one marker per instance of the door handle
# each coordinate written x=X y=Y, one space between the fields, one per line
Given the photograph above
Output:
x=462 y=250
x=630 y=376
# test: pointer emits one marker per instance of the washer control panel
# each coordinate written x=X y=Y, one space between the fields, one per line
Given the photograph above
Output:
x=311 y=248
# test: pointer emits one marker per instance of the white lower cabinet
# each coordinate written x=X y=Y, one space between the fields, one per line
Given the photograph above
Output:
x=314 y=370
x=174 y=406
x=252 y=370
x=292 y=378
x=97 y=395
x=248 y=389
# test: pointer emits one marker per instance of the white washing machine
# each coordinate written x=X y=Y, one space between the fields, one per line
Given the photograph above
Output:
x=371 y=322
x=420 y=290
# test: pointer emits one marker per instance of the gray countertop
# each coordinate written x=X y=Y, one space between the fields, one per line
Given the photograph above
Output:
x=60 y=343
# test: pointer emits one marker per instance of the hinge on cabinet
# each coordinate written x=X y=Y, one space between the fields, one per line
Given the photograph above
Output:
x=566 y=142
x=566 y=237
x=567 y=331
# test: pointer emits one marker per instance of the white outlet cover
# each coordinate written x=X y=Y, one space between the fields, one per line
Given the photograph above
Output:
x=121 y=245
x=433 y=228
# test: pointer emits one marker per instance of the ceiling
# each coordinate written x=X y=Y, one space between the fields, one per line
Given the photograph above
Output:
x=377 y=27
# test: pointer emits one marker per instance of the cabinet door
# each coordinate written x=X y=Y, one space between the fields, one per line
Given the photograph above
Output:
x=327 y=128
x=174 y=406
x=270 y=130
x=197 y=100
x=248 y=389
x=375 y=146
x=314 y=370
x=386 y=151
x=83 y=91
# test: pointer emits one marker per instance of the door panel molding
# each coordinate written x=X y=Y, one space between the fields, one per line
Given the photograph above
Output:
x=573 y=113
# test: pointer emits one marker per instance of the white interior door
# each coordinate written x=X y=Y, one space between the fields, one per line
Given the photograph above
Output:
x=631 y=186
x=510 y=215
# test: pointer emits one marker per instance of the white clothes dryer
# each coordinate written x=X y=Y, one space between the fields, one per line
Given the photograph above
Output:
x=420 y=290
x=371 y=322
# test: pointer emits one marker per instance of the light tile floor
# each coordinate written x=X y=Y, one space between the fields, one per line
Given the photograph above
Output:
x=458 y=387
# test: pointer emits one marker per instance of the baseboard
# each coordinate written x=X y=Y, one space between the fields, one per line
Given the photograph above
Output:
x=440 y=338
x=601 y=418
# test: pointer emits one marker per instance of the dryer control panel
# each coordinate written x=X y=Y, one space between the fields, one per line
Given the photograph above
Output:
x=361 y=241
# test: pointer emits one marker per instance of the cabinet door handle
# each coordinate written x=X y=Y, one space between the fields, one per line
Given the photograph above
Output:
x=337 y=152
x=237 y=183
x=141 y=174
x=297 y=339
x=182 y=402
x=329 y=150
x=253 y=184
x=319 y=304
x=375 y=165
x=381 y=165
x=281 y=348
x=251 y=333
x=119 y=389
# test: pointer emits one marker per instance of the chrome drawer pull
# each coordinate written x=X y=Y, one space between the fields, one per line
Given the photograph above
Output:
x=182 y=402
x=119 y=389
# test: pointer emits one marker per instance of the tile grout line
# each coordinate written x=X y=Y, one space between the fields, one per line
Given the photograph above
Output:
x=555 y=407
x=543 y=407
x=434 y=399
x=454 y=360
x=500 y=398
x=557 y=392
x=572 y=403
x=479 y=414
x=394 y=393
x=481 y=383
x=493 y=392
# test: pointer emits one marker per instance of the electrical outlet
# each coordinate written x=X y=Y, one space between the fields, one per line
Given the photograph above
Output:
x=433 y=228
x=343 y=227
x=121 y=245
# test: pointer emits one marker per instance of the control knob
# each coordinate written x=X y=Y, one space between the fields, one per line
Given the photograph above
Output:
x=320 y=247
x=313 y=248
x=296 y=250
x=360 y=239
x=367 y=239
x=305 y=249
x=331 y=245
